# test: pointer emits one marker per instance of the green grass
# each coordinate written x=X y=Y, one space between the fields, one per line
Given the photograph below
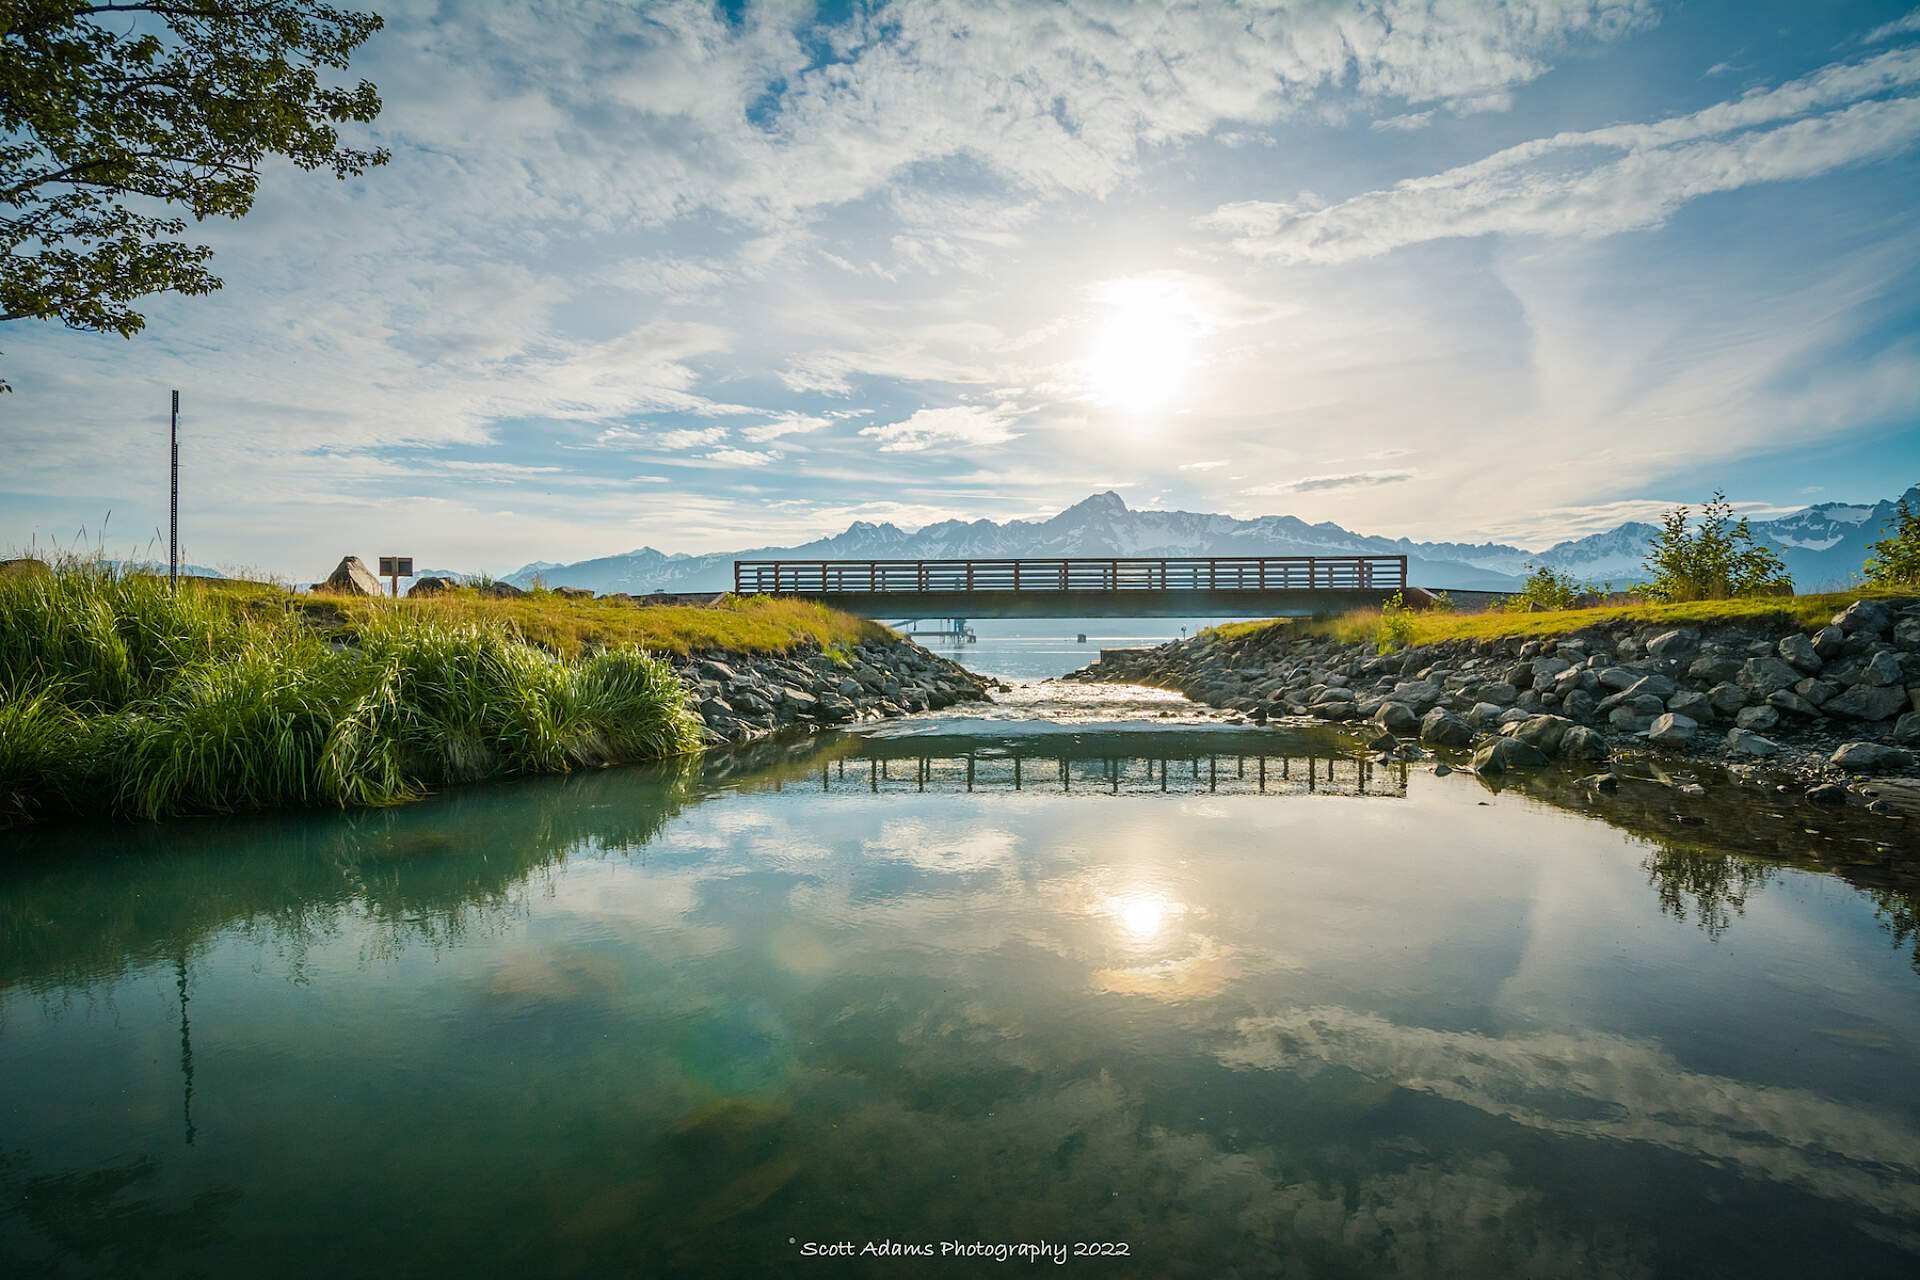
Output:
x=1428 y=627
x=572 y=627
x=118 y=697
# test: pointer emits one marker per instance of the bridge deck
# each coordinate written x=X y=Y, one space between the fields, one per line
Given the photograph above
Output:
x=1082 y=586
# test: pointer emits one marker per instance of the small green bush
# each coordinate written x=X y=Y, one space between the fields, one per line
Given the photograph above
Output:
x=1717 y=559
x=1546 y=587
x=1396 y=624
x=1894 y=561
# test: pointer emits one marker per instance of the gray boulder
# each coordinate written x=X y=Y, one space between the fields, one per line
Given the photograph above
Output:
x=1503 y=755
x=1792 y=703
x=1442 y=728
x=1627 y=720
x=1543 y=732
x=1881 y=670
x=831 y=708
x=1672 y=729
x=1818 y=692
x=1726 y=699
x=1713 y=669
x=1798 y=652
x=1766 y=675
x=1868 y=702
x=1484 y=715
x=430 y=586
x=1869 y=616
x=1397 y=717
x=351 y=578
x=1745 y=742
x=1830 y=643
x=1652 y=686
x=501 y=591
x=1906 y=730
x=1871 y=757
x=1757 y=718
x=1582 y=743
x=1693 y=705
x=1673 y=645
x=1579 y=704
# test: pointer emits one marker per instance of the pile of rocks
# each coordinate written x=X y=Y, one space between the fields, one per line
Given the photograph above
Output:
x=1846 y=695
x=742 y=696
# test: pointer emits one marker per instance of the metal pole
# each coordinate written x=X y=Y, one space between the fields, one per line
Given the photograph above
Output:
x=173 y=502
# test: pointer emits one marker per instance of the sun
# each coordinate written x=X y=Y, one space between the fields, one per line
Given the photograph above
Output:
x=1144 y=344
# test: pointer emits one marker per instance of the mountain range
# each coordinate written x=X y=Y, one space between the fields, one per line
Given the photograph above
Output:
x=1824 y=546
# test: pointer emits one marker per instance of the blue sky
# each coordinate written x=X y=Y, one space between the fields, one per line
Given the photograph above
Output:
x=712 y=277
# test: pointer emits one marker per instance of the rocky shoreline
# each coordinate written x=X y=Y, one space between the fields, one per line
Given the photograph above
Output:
x=741 y=696
x=1834 y=711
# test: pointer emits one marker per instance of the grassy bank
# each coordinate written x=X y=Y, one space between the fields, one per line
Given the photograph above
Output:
x=120 y=698
x=1362 y=626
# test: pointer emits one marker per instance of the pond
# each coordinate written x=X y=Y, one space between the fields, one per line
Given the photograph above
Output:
x=1192 y=999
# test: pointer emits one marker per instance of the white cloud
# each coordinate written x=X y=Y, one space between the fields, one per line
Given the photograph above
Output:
x=1409 y=121
x=743 y=457
x=787 y=424
x=1311 y=484
x=1898 y=27
x=683 y=438
x=935 y=428
x=1562 y=186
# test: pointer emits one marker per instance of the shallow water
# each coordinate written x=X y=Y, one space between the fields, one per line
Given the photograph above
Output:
x=1059 y=971
x=1039 y=648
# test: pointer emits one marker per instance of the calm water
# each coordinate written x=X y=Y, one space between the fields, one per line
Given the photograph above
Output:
x=1037 y=648
x=1226 y=997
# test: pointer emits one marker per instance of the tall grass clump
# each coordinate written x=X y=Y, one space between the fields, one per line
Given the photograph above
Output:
x=119 y=697
x=104 y=637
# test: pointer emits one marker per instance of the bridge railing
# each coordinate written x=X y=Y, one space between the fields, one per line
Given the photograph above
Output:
x=1080 y=573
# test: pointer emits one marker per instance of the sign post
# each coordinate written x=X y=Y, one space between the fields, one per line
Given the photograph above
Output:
x=173 y=502
x=395 y=568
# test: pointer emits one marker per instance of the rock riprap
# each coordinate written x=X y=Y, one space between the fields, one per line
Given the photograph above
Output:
x=742 y=696
x=1753 y=689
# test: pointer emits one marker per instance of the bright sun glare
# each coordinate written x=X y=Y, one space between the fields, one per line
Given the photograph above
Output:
x=1143 y=347
x=1142 y=915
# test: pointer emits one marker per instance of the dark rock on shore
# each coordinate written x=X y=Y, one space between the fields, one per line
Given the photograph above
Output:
x=1756 y=689
x=743 y=696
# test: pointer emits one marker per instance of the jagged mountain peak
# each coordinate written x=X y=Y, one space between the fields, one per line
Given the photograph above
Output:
x=1823 y=546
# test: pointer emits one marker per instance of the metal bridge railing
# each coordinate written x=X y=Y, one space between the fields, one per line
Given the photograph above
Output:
x=1082 y=573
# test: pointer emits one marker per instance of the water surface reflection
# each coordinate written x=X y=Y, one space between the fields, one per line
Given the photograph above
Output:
x=1360 y=1022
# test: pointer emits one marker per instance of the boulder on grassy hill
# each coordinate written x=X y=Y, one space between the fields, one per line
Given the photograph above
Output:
x=24 y=567
x=573 y=593
x=431 y=587
x=501 y=591
x=352 y=578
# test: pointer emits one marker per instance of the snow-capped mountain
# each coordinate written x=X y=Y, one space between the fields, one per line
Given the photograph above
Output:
x=1823 y=546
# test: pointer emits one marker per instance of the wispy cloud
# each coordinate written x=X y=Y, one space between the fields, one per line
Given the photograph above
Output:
x=1314 y=484
x=1565 y=186
x=960 y=425
x=1898 y=27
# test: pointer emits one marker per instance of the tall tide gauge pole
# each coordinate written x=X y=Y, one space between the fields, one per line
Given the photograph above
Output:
x=173 y=503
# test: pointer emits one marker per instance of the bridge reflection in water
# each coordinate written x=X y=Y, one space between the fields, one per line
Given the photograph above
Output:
x=1107 y=765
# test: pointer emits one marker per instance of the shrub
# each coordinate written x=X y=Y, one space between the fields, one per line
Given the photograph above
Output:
x=1716 y=560
x=1545 y=587
x=1396 y=624
x=1894 y=561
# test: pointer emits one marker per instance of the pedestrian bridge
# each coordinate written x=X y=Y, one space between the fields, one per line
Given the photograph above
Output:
x=1085 y=586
